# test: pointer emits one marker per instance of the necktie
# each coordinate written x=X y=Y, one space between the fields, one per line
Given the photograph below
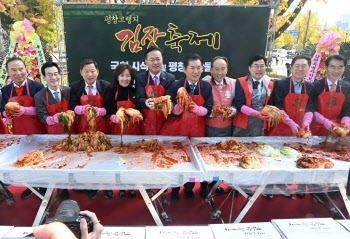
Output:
x=90 y=91
x=332 y=88
x=56 y=97
x=255 y=84
x=155 y=78
x=192 y=87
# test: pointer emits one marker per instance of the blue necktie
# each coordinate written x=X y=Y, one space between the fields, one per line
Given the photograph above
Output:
x=192 y=87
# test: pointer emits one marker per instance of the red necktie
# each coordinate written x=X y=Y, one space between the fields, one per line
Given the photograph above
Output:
x=155 y=80
x=90 y=91
x=332 y=88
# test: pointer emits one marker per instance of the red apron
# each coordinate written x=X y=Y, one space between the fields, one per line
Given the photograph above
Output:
x=221 y=96
x=3 y=128
x=241 y=120
x=133 y=129
x=153 y=120
x=329 y=105
x=54 y=109
x=294 y=105
x=26 y=124
x=102 y=122
x=189 y=124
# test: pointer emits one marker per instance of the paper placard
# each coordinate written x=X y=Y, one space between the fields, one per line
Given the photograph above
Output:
x=123 y=233
x=310 y=228
x=19 y=232
x=179 y=232
x=345 y=223
x=4 y=230
x=264 y=230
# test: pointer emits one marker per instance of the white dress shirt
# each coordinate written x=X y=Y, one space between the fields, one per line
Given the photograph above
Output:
x=93 y=89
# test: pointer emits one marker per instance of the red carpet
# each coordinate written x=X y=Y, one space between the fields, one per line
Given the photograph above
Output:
x=133 y=211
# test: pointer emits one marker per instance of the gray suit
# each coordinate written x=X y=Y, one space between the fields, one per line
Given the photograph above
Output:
x=40 y=101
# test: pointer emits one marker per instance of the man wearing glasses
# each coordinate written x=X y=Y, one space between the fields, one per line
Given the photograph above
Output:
x=252 y=93
x=51 y=101
x=151 y=84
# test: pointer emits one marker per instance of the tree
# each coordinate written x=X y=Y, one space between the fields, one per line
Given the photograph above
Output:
x=39 y=12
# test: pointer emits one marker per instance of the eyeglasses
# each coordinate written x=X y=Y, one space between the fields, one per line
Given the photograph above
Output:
x=57 y=75
x=256 y=67
x=333 y=68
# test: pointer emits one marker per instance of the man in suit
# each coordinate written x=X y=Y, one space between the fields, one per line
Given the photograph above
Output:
x=22 y=90
x=90 y=91
x=150 y=84
x=51 y=101
x=252 y=93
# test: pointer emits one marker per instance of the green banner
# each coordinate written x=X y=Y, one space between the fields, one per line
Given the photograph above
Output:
x=112 y=34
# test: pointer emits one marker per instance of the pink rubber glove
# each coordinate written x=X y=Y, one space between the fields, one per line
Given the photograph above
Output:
x=307 y=120
x=26 y=111
x=80 y=109
x=251 y=112
x=326 y=122
x=293 y=126
x=345 y=122
x=6 y=120
x=113 y=119
x=51 y=120
x=100 y=112
x=177 y=110
x=198 y=110
x=4 y=114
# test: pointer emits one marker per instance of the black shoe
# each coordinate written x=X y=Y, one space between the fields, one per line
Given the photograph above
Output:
x=92 y=194
x=122 y=194
x=189 y=195
x=175 y=195
x=333 y=194
x=203 y=192
x=108 y=194
x=64 y=194
x=26 y=193
x=132 y=193
x=235 y=192
x=268 y=196
x=220 y=190
x=300 y=195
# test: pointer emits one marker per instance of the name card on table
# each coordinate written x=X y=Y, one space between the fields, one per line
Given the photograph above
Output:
x=182 y=232
x=345 y=223
x=310 y=228
x=4 y=230
x=264 y=230
x=123 y=233
x=19 y=232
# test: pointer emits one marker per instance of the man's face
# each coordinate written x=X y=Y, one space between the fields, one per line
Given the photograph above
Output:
x=257 y=69
x=299 y=69
x=89 y=73
x=154 y=62
x=193 y=71
x=219 y=70
x=17 y=71
x=52 y=77
x=335 y=70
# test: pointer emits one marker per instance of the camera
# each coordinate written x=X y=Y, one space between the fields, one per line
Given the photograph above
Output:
x=68 y=213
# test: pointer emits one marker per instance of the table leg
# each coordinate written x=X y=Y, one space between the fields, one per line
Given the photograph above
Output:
x=249 y=203
x=43 y=205
x=150 y=206
x=344 y=197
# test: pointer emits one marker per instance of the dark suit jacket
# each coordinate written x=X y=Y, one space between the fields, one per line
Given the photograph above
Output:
x=40 y=101
x=33 y=87
x=123 y=94
x=281 y=90
x=77 y=89
x=345 y=86
x=141 y=81
x=206 y=93
x=240 y=99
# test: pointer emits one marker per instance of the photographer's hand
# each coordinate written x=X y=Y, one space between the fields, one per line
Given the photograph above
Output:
x=55 y=230
x=97 y=228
